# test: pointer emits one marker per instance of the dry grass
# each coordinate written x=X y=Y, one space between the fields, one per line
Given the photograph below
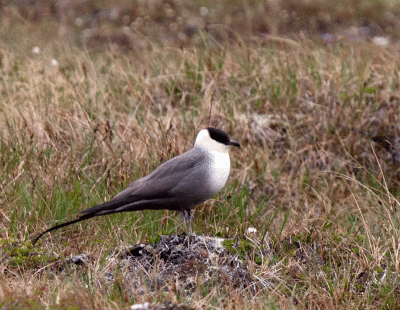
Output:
x=318 y=170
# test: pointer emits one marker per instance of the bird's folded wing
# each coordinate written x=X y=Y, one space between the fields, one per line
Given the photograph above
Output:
x=171 y=179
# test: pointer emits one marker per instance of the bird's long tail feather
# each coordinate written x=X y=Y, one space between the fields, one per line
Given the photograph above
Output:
x=81 y=218
x=114 y=206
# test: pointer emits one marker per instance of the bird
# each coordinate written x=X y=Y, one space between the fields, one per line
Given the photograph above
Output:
x=179 y=184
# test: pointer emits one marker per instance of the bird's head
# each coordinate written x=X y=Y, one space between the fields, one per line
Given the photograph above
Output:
x=214 y=139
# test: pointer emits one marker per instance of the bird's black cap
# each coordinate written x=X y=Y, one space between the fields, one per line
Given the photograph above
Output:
x=221 y=136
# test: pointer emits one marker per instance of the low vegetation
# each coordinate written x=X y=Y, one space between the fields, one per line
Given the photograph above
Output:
x=311 y=208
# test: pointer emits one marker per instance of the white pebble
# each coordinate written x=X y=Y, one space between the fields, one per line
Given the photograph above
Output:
x=203 y=11
x=381 y=41
x=251 y=230
x=140 y=306
x=36 y=50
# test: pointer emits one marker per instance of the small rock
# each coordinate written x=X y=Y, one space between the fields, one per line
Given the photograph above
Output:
x=381 y=41
x=140 y=306
x=251 y=231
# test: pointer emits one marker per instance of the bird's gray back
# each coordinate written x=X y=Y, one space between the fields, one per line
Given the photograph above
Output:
x=182 y=181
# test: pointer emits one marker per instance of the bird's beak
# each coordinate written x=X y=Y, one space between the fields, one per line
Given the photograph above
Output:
x=234 y=143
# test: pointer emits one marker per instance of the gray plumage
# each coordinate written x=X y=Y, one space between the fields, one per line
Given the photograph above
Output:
x=167 y=187
x=179 y=184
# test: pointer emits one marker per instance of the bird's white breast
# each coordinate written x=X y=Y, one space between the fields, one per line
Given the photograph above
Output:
x=219 y=170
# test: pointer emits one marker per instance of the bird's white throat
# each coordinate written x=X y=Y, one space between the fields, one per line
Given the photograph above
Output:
x=219 y=170
x=219 y=164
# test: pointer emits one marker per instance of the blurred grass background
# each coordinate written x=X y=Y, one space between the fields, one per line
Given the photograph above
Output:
x=96 y=94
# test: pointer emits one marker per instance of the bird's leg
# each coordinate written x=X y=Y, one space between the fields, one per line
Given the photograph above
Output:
x=187 y=216
x=183 y=215
x=190 y=217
